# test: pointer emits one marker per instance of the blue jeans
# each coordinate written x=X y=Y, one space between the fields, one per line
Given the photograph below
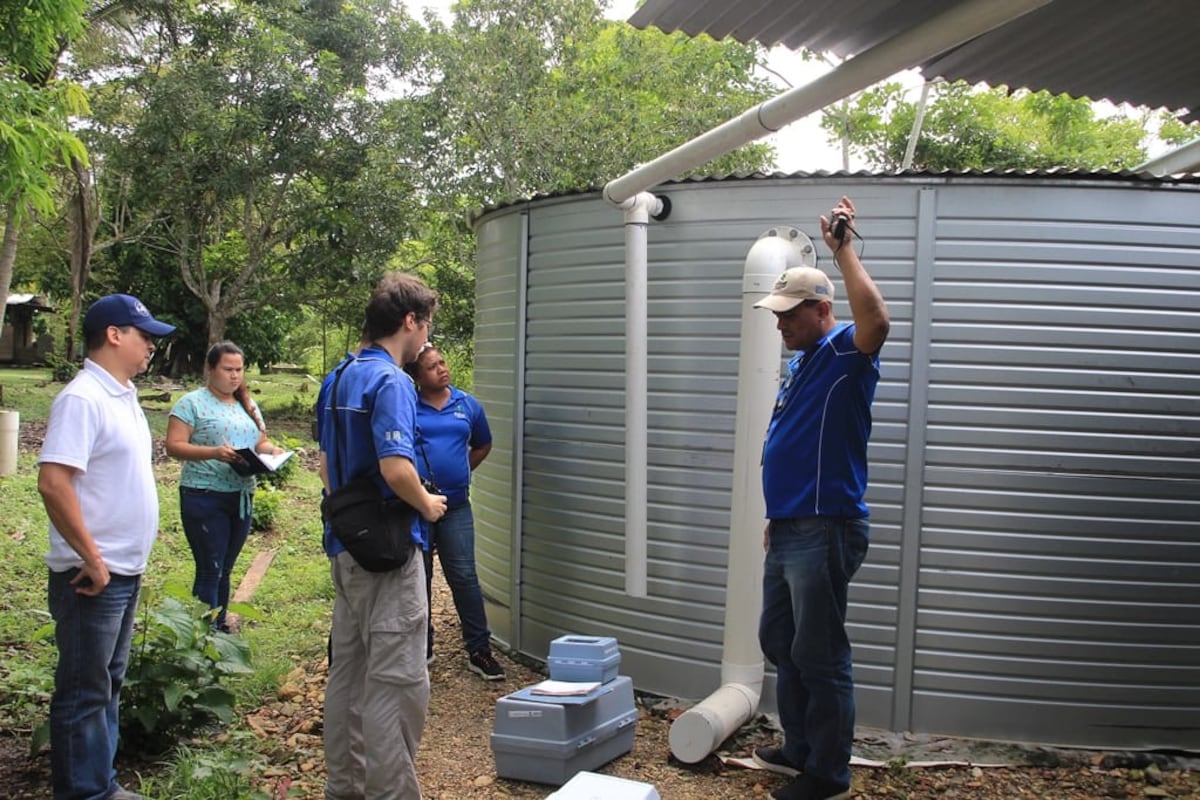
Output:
x=802 y=632
x=216 y=532
x=93 y=636
x=453 y=537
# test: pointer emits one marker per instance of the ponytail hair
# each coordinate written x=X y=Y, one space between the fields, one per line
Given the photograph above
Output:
x=242 y=392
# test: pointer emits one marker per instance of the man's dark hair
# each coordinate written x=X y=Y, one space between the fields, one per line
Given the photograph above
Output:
x=94 y=340
x=397 y=295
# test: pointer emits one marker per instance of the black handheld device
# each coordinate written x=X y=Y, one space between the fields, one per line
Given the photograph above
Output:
x=838 y=226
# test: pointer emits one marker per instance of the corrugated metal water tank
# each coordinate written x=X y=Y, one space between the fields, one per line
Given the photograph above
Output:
x=1034 y=571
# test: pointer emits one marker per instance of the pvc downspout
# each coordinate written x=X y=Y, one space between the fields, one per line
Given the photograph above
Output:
x=702 y=728
x=638 y=211
x=957 y=25
x=1185 y=158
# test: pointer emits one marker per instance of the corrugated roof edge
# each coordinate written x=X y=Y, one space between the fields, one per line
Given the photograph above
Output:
x=1124 y=176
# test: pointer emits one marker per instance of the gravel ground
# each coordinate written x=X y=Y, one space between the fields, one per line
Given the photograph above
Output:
x=455 y=761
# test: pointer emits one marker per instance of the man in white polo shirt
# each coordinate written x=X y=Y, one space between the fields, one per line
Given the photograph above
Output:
x=97 y=484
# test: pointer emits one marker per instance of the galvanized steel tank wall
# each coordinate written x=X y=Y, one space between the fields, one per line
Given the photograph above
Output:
x=1034 y=571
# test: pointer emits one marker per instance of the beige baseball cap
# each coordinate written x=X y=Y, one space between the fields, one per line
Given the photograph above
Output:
x=795 y=286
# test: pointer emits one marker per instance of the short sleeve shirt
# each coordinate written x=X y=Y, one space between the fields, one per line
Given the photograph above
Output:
x=447 y=435
x=376 y=419
x=815 y=454
x=97 y=427
x=213 y=424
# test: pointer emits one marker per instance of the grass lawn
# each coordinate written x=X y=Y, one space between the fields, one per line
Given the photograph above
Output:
x=289 y=612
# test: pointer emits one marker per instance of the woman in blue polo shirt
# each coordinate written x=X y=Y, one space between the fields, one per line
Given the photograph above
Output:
x=205 y=430
x=454 y=440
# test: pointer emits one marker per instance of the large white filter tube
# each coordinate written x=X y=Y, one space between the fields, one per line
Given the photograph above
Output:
x=702 y=728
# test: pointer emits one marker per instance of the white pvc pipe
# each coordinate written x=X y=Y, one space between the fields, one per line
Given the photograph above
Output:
x=10 y=434
x=1185 y=158
x=638 y=210
x=702 y=728
x=958 y=24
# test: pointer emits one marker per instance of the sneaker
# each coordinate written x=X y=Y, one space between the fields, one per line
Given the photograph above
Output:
x=806 y=787
x=773 y=759
x=485 y=666
x=124 y=794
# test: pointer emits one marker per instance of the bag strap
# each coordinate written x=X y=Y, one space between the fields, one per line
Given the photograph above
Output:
x=337 y=439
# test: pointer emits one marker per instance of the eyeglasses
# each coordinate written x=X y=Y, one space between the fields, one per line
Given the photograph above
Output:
x=127 y=328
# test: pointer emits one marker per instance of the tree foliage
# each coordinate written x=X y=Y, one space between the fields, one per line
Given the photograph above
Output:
x=515 y=99
x=537 y=96
x=981 y=128
x=257 y=151
x=1175 y=132
x=35 y=112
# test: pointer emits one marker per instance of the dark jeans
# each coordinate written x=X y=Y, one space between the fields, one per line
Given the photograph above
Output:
x=453 y=538
x=93 y=636
x=216 y=534
x=802 y=632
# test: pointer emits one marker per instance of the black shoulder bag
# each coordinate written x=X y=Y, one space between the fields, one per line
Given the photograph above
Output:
x=376 y=532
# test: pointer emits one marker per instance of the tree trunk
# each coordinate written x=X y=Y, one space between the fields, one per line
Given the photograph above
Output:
x=83 y=219
x=8 y=254
x=217 y=320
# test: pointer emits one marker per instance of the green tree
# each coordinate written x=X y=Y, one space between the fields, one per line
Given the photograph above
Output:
x=538 y=96
x=983 y=128
x=514 y=99
x=1175 y=132
x=257 y=149
x=35 y=109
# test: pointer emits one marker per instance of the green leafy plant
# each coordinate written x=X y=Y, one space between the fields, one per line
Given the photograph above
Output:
x=266 y=506
x=220 y=773
x=61 y=370
x=176 y=667
x=287 y=470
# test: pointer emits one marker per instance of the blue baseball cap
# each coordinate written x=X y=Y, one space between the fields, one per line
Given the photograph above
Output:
x=122 y=310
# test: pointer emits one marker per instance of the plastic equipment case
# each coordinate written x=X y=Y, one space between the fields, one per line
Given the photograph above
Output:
x=549 y=739
x=584 y=658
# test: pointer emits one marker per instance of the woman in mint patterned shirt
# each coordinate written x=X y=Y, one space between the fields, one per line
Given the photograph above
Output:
x=205 y=431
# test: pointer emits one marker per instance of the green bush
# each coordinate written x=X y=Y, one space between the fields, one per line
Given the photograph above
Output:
x=61 y=370
x=266 y=506
x=287 y=470
x=176 y=666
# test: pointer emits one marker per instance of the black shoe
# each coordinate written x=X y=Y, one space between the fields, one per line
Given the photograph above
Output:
x=485 y=666
x=773 y=759
x=806 y=787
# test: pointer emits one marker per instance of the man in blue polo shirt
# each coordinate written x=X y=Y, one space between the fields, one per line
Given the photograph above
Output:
x=378 y=689
x=814 y=477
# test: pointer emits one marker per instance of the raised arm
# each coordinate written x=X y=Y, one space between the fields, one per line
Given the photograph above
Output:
x=871 y=320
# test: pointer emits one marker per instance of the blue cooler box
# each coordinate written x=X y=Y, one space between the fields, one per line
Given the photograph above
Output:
x=584 y=658
x=548 y=739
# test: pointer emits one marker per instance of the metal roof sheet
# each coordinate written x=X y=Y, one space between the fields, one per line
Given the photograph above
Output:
x=1189 y=180
x=1136 y=52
